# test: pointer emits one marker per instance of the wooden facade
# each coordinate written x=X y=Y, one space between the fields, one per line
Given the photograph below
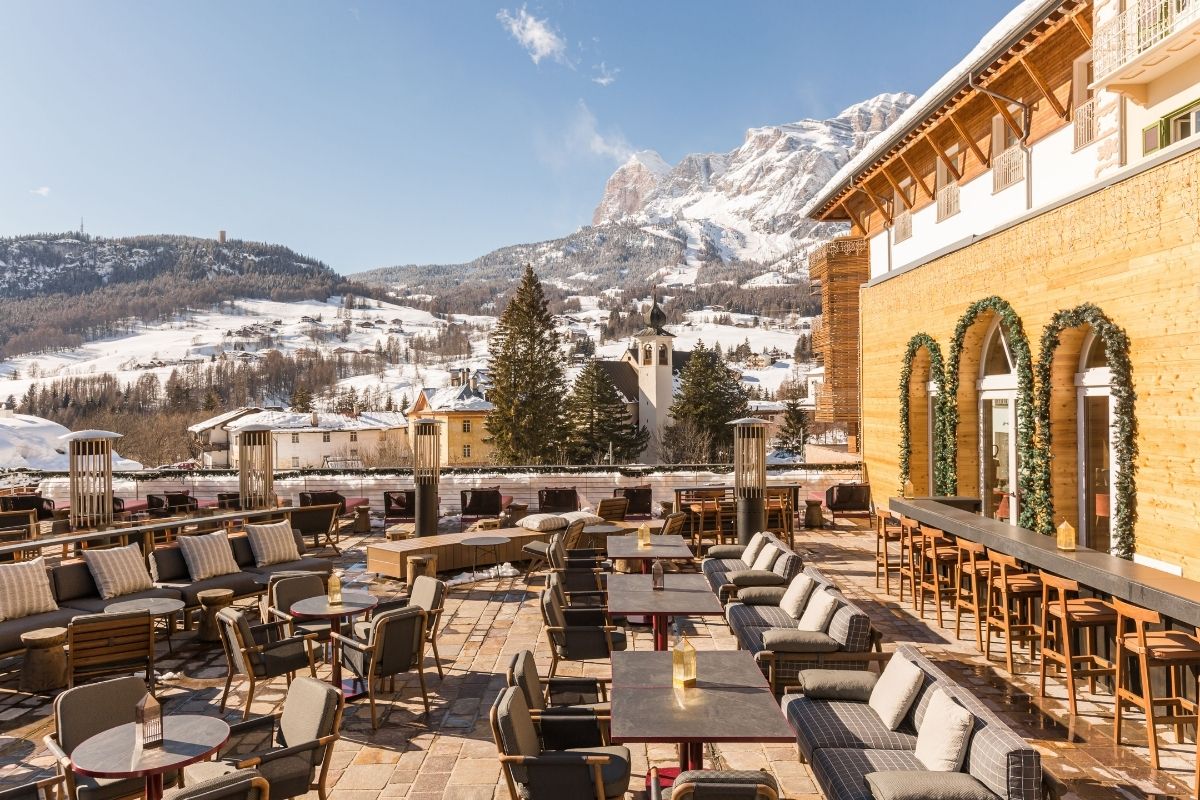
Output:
x=840 y=267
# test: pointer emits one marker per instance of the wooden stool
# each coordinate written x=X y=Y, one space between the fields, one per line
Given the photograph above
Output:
x=44 y=668
x=1009 y=607
x=910 y=545
x=938 y=558
x=814 y=514
x=887 y=530
x=973 y=567
x=420 y=565
x=1062 y=616
x=211 y=601
x=362 y=519
x=1172 y=650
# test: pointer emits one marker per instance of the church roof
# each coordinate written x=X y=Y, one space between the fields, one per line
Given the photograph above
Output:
x=624 y=376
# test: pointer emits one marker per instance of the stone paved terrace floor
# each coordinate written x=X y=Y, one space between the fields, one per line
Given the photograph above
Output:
x=452 y=756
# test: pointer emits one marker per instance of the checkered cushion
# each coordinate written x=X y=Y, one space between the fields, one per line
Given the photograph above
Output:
x=839 y=770
x=839 y=723
x=787 y=566
x=851 y=627
x=817 y=576
x=717 y=570
x=740 y=615
x=788 y=665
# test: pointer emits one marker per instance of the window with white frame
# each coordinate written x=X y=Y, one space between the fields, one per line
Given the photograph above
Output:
x=354 y=436
x=295 y=462
x=466 y=451
x=295 y=438
x=325 y=436
x=466 y=426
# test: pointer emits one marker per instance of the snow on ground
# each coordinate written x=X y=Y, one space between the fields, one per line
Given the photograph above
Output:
x=28 y=442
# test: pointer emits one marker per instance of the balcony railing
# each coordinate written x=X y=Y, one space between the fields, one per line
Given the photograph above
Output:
x=1141 y=26
x=947 y=201
x=1008 y=168
x=1085 y=124
x=903 y=226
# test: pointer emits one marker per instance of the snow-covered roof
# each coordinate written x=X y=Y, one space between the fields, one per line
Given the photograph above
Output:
x=765 y=406
x=456 y=398
x=299 y=421
x=1000 y=38
x=221 y=419
x=28 y=442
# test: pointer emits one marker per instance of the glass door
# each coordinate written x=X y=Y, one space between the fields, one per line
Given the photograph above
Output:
x=1096 y=469
x=998 y=455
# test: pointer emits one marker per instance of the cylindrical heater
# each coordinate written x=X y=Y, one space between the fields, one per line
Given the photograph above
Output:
x=256 y=467
x=427 y=454
x=750 y=475
x=89 y=463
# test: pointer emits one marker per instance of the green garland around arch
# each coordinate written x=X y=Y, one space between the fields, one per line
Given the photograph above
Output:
x=1116 y=350
x=946 y=428
x=936 y=374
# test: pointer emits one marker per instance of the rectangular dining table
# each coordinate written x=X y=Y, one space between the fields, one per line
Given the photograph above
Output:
x=731 y=702
x=686 y=594
x=669 y=547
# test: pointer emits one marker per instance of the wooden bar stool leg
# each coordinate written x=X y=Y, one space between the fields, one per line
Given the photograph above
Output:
x=958 y=590
x=1064 y=629
x=1148 y=700
x=1118 y=687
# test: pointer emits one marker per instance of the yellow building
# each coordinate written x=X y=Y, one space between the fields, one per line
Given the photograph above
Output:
x=462 y=411
x=1028 y=328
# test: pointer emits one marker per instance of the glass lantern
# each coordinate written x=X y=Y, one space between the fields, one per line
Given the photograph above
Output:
x=908 y=490
x=683 y=664
x=658 y=577
x=1067 y=538
x=149 y=723
x=643 y=536
x=335 y=589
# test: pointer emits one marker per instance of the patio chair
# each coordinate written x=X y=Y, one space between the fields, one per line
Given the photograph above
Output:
x=324 y=499
x=674 y=524
x=84 y=711
x=394 y=645
x=289 y=748
x=848 y=500
x=557 y=500
x=578 y=588
x=170 y=504
x=641 y=500
x=107 y=644
x=260 y=653
x=578 y=634
x=584 y=699
x=479 y=503
x=400 y=506
x=535 y=768
x=728 y=784
x=242 y=784
x=286 y=592
x=320 y=522
x=229 y=501
x=613 y=509
x=45 y=789
x=428 y=594
x=43 y=506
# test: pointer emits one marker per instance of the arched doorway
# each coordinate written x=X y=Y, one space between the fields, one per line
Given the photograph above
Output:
x=1095 y=437
x=997 y=414
x=921 y=378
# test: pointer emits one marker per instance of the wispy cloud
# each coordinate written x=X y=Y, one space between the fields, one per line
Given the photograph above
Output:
x=356 y=13
x=585 y=135
x=537 y=36
x=605 y=76
x=41 y=191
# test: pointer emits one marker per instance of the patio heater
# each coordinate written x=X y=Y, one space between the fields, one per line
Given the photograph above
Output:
x=427 y=453
x=256 y=467
x=750 y=475
x=89 y=461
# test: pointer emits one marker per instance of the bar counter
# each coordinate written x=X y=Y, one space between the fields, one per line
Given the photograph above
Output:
x=1172 y=596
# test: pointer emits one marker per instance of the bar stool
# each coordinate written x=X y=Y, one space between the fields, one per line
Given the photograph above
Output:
x=1011 y=592
x=1169 y=649
x=973 y=566
x=938 y=557
x=1062 y=616
x=887 y=530
x=910 y=547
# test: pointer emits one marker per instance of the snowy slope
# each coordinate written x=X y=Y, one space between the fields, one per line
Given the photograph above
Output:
x=28 y=442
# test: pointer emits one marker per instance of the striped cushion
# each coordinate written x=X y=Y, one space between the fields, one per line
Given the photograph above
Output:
x=25 y=589
x=208 y=555
x=272 y=543
x=118 y=570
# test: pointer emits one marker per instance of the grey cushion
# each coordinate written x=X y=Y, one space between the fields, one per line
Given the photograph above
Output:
x=740 y=783
x=917 y=785
x=838 y=684
x=729 y=551
x=323 y=566
x=73 y=580
x=791 y=640
x=761 y=595
x=756 y=577
x=167 y=565
x=822 y=724
x=96 y=605
x=243 y=553
x=839 y=770
x=615 y=773
x=242 y=584
x=11 y=629
x=851 y=628
x=742 y=615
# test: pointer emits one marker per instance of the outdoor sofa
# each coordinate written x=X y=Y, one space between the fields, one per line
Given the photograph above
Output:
x=844 y=739
x=730 y=567
x=848 y=500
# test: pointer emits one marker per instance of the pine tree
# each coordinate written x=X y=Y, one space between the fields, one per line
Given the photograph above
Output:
x=211 y=401
x=599 y=422
x=302 y=399
x=526 y=423
x=709 y=398
x=794 y=431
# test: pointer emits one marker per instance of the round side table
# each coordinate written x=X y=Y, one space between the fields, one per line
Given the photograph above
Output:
x=362 y=519
x=814 y=517
x=485 y=543
x=211 y=601
x=44 y=667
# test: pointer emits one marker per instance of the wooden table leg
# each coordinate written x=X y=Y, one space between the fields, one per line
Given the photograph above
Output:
x=154 y=786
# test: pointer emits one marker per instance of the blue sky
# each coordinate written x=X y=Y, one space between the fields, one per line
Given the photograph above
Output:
x=369 y=134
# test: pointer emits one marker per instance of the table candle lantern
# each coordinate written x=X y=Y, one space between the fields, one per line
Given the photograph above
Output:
x=148 y=719
x=1066 y=536
x=335 y=589
x=643 y=535
x=909 y=490
x=683 y=664
x=658 y=579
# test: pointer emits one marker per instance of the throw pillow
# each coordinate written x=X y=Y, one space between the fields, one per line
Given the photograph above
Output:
x=542 y=522
x=942 y=747
x=896 y=690
x=588 y=517
x=272 y=543
x=796 y=597
x=25 y=589
x=766 y=557
x=818 y=612
x=118 y=571
x=760 y=595
x=208 y=555
x=757 y=542
x=849 y=685
x=919 y=784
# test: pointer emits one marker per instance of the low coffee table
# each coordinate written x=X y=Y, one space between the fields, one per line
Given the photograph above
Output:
x=163 y=608
x=686 y=594
x=477 y=543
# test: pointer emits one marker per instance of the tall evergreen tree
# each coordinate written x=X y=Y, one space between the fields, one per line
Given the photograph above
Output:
x=302 y=399
x=709 y=398
x=526 y=424
x=794 y=431
x=599 y=422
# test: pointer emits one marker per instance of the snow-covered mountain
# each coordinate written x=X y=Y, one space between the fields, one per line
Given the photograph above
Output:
x=746 y=203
